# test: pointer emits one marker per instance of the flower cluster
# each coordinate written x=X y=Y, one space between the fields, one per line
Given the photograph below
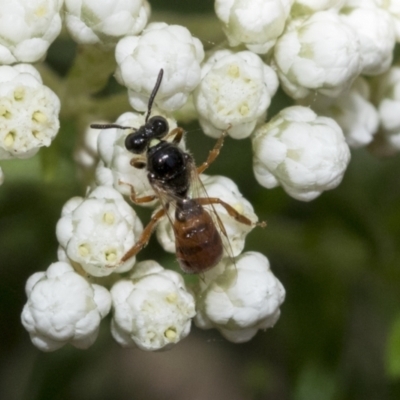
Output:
x=249 y=303
x=104 y=23
x=94 y=233
x=152 y=309
x=27 y=29
x=333 y=58
x=63 y=307
x=304 y=171
x=387 y=99
x=227 y=75
x=170 y=47
x=28 y=112
x=257 y=24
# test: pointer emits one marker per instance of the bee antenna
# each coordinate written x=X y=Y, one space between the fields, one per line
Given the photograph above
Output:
x=153 y=93
x=109 y=126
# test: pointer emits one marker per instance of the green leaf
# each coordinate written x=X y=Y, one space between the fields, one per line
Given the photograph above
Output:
x=315 y=382
x=392 y=359
x=49 y=158
x=90 y=71
x=258 y=378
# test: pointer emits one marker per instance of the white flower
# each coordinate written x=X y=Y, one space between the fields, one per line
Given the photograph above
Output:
x=239 y=299
x=236 y=90
x=152 y=310
x=300 y=151
x=160 y=46
x=393 y=7
x=375 y=30
x=27 y=28
x=97 y=231
x=255 y=23
x=28 y=112
x=387 y=98
x=226 y=190
x=105 y=22
x=85 y=153
x=114 y=168
x=320 y=53
x=302 y=7
x=353 y=111
x=63 y=308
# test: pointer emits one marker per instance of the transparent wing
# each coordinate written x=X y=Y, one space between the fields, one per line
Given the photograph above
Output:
x=198 y=191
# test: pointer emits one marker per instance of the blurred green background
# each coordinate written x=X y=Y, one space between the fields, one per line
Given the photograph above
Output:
x=338 y=258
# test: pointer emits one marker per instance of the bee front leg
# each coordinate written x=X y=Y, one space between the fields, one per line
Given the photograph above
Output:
x=134 y=198
x=177 y=133
x=213 y=153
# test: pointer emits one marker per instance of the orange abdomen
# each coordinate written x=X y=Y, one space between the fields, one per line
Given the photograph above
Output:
x=198 y=243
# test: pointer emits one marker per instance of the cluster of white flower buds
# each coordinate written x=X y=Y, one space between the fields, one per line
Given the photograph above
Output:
x=28 y=112
x=105 y=23
x=332 y=57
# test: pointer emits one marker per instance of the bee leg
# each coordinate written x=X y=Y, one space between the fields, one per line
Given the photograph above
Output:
x=178 y=133
x=231 y=211
x=134 y=198
x=213 y=153
x=137 y=163
x=145 y=236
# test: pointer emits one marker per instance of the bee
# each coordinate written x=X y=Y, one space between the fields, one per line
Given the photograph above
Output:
x=172 y=172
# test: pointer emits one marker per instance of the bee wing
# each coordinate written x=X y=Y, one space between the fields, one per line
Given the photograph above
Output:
x=199 y=191
x=165 y=230
x=167 y=200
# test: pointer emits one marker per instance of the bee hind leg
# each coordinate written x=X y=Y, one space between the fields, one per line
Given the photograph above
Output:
x=231 y=211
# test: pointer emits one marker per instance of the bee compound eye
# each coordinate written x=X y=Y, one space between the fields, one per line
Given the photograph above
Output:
x=159 y=126
x=136 y=142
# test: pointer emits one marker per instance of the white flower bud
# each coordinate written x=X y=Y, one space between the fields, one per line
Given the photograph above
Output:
x=85 y=154
x=63 y=308
x=255 y=23
x=27 y=28
x=140 y=58
x=375 y=30
x=105 y=22
x=387 y=98
x=239 y=298
x=393 y=7
x=300 y=151
x=320 y=53
x=153 y=309
x=236 y=90
x=1 y=177
x=114 y=168
x=353 y=111
x=97 y=231
x=28 y=112
x=303 y=7
x=226 y=190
